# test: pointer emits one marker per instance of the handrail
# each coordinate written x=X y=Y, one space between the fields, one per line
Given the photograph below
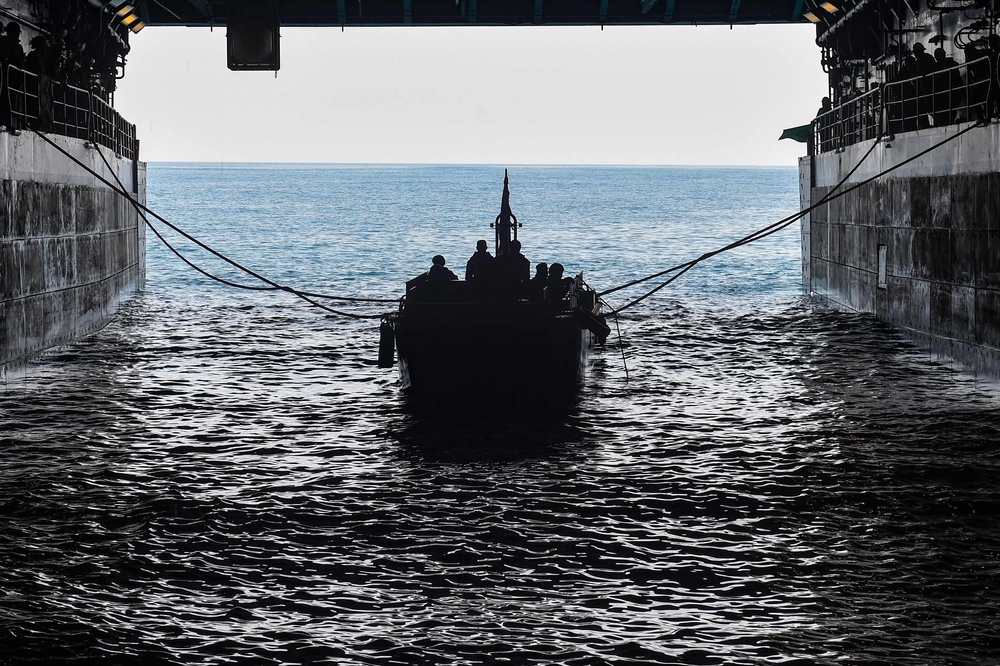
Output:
x=854 y=121
x=943 y=97
x=38 y=102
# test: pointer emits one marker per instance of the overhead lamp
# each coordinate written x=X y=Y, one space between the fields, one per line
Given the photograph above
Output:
x=830 y=7
x=809 y=16
x=127 y=14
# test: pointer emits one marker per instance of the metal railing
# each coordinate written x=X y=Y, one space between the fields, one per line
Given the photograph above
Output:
x=851 y=122
x=956 y=94
x=71 y=111
x=38 y=102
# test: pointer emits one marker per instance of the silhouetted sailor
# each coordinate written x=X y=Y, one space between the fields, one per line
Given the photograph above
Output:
x=37 y=60
x=556 y=287
x=512 y=270
x=438 y=272
x=924 y=65
x=478 y=266
x=908 y=93
x=11 y=51
x=536 y=287
x=949 y=89
x=825 y=124
x=942 y=60
x=514 y=265
x=907 y=66
x=924 y=60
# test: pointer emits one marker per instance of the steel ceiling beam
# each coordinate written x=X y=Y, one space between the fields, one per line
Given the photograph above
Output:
x=482 y=12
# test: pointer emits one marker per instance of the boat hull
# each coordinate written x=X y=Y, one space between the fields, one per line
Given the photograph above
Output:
x=527 y=357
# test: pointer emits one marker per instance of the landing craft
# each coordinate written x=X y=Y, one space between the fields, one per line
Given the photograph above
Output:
x=495 y=340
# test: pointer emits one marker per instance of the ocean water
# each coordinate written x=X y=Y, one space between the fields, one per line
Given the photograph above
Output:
x=226 y=477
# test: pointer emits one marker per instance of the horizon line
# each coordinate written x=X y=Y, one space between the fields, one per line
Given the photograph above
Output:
x=482 y=164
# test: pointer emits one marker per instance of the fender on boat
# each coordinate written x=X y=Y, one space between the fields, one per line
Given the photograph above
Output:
x=386 y=344
x=593 y=323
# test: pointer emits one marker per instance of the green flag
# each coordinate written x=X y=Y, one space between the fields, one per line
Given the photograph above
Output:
x=800 y=133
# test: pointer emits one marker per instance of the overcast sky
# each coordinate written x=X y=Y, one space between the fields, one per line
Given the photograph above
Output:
x=525 y=95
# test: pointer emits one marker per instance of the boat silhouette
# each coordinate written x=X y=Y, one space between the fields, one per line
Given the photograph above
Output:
x=493 y=342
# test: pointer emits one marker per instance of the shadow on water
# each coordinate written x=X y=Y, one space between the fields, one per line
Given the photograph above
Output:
x=436 y=438
x=483 y=424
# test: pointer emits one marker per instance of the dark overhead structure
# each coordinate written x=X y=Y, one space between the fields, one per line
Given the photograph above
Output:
x=478 y=12
x=254 y=26
x=253 y=36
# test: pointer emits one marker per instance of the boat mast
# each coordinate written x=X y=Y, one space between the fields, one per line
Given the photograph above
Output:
x=506 y=221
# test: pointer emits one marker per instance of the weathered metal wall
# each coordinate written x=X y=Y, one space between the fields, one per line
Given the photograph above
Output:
x=805 y=198
x=937 y=221
x=70 y=248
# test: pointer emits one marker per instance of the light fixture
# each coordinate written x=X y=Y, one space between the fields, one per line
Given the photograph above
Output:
x=812 y=18
x=129 y=18
x=830 y=7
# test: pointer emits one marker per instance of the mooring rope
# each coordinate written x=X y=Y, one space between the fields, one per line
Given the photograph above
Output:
x=776 y=226
x=142 y=210
x=757 y=235
x=679 y=269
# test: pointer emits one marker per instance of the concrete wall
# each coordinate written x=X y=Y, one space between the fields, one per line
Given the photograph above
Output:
x=70 y=248
x=938 y=219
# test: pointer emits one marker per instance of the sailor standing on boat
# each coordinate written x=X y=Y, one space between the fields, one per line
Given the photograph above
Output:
x=479 y=264
x=439 y=272
x=557 y=286
x=515 y=266
x=537 y=284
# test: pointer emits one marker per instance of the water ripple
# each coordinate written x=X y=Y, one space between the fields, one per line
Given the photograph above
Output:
x=219 y=480
x=780 y=486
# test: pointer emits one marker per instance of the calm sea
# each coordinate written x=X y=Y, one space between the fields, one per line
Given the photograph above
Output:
x=225 y=477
